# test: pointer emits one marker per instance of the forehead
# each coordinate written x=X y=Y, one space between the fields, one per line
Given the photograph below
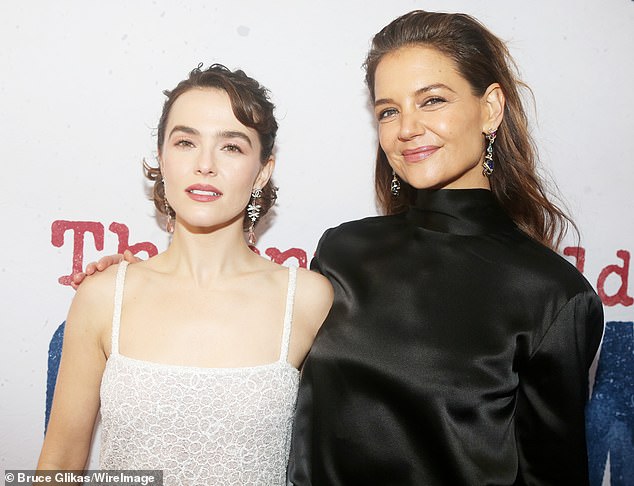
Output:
x=419 y=66
x=205 y=108
x=201 y=102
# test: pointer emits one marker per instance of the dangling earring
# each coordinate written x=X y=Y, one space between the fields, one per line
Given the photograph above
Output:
x=395 y=187
x=169 y=224
x=253 y=213
x=488 y=165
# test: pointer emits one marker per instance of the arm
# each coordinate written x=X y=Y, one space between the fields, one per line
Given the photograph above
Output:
x=76 y=398
x=553 y=391
x=313 y=299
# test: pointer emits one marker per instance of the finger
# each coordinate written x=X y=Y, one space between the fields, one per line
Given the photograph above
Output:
x=106 y=261
x=103 y=263
x=91 y=268
x=77 y=279
x=128 y=256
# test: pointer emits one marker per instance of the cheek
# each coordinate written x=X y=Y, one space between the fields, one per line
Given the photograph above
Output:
x=449 y=128
x=169 y=185
x=473 y=142
x=386 y=137
x=463 y=135
x=175 y=173
x=243 y=177
x=171 y=173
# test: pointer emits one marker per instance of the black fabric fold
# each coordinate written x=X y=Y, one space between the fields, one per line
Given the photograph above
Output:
x=458 y=211
x=456 y=353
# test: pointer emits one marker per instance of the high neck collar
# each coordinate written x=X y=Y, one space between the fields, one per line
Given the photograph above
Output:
x=458 y=211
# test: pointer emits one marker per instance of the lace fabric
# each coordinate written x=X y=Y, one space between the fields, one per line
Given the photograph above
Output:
x=212 y=426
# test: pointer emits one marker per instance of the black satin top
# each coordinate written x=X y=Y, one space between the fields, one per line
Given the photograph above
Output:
x=456 y=353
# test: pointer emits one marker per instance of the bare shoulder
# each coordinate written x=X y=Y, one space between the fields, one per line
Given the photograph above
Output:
x=313 y=297
x=97 y=287
x=91 y=309
x=314 y=282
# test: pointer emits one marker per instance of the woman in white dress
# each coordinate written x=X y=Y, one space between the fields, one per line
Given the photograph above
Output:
x=193 y=357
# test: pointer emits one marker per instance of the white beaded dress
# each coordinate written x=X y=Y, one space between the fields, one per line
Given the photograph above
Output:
x=211 y=426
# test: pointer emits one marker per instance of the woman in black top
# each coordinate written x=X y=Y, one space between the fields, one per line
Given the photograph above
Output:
x=458 y=346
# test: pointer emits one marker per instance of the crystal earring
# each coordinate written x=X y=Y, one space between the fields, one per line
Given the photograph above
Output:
x=395 y=187
x=488 y=165
x=169 y=224
x=253 y=213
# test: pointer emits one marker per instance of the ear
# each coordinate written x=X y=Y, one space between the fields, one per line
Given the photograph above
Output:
x=493 y=102
x=159 y=159
x=266 y=171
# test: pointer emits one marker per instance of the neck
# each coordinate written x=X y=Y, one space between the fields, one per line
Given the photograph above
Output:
x=458 y=211
x=206 y=256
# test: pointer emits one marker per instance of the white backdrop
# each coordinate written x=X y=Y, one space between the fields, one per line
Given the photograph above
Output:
x=81 y=91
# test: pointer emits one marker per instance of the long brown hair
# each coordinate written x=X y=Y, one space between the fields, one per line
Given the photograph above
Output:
x=482 y=59
x=251 y=106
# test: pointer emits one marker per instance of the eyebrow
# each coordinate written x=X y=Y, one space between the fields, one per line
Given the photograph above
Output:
x=219 y=134
x=423 y=90
x=235 y=134
x=185 y=129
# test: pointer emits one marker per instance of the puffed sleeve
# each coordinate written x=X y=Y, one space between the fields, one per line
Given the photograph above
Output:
x=316 y=262
x=553 y=391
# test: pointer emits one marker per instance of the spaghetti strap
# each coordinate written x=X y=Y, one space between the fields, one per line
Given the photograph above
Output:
x=288 y=314
x=118 y=300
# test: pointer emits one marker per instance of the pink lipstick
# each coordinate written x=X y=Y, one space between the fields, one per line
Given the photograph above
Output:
x=203 y=192
x=419 y=153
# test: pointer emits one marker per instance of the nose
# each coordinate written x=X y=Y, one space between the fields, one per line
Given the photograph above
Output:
x=206 y=163
x=411 y=125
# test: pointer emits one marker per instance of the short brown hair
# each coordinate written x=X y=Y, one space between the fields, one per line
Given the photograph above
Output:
x=252 y=107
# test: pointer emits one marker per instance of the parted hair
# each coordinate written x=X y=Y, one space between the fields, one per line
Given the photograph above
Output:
x=251 y=105
x=482 y=59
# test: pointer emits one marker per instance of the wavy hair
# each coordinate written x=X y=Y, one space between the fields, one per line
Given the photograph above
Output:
x=482 y=59
x=252 y=107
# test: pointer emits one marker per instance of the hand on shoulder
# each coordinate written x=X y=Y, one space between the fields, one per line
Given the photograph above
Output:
x=92 y=306
x=102 y=264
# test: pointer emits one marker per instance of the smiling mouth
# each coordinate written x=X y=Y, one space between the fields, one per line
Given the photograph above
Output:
x=200 y=192
x=420 y=153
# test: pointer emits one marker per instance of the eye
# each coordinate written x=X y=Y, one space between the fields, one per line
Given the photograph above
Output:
x=433 y=101
x=182 y=142
x=232 y=147
x=387 y=114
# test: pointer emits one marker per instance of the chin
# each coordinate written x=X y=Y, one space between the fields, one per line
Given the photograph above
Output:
x=428 y=183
